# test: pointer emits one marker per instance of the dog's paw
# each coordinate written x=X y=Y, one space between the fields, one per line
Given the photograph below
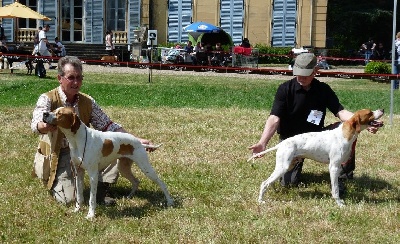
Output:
x=90 y=214
x=90 y=217
x=260 y=201
x=170 y=202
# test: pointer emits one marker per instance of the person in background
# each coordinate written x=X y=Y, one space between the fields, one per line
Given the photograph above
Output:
x=396 y=70
x=245 y=43
x=300 y=106
x=3 y=44
x=189 y=51
x=380 y=52
x=52 y=158
x=44 y=44
x=189 y=48
x=59 y=48
x=36 y=42
x=369 y=49
x=109 y=43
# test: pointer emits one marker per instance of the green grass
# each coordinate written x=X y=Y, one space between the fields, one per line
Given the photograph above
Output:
x=205 y=125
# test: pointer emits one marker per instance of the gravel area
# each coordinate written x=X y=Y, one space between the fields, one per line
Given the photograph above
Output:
x=276 y=76
x=272 y=73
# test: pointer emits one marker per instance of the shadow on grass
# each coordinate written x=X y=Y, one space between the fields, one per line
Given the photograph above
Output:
x=361 y=188
x=153 y=201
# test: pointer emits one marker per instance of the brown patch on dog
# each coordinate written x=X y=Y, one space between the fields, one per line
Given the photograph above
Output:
x=126 y=149
x=108 y=147
x=76 y=123
x=65 y=117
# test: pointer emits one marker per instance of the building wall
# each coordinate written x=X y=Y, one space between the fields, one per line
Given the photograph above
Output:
x=257 y=21
x=310 y=30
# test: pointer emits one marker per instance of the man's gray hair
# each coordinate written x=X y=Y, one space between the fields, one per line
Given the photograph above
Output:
x=72 y=60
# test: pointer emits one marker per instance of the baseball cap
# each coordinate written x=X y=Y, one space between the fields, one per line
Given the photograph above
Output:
x=304 y=64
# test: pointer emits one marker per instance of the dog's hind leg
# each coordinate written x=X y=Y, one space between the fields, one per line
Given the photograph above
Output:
x=125 y=169
x=265 y=184
x=281 y=167
x=140 y=157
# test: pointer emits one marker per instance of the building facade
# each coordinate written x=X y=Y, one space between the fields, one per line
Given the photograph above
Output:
x=288 y=23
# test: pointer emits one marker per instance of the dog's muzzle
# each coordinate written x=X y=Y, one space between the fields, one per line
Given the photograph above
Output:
x=47 y=118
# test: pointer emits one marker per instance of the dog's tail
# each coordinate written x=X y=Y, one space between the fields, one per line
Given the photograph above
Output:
x=151 y=146
x=262 y=153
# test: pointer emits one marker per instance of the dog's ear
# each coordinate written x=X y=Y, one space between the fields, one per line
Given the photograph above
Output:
x=76 y=123
x=356 y=123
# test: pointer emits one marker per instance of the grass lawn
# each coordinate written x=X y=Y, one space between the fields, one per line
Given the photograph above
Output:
x=205 y=124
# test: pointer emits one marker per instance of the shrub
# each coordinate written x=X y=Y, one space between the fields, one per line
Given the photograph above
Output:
x=378 y=68
x=282 y=54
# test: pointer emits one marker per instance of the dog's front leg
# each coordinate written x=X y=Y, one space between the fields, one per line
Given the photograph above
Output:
x=94 y=178
x=334 y=171
x=79 y=188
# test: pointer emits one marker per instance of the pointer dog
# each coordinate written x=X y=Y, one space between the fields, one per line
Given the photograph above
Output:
x=330 y=146
x=94 y=150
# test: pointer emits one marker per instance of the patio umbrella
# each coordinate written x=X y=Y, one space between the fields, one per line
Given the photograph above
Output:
x=203 y=27
x=17 y=10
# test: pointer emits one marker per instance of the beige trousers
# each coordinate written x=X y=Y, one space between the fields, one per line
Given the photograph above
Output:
x=63 y=189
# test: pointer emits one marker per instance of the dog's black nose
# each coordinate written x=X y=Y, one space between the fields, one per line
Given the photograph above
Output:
x=45 y=115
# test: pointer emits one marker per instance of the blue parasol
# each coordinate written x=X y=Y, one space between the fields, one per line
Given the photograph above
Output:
x=203 y=27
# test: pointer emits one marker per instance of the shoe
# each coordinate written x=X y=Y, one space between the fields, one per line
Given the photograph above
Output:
x=103 y=196
x=292 y=177
x=348 y=176
x=342 y=188
x=52 y=67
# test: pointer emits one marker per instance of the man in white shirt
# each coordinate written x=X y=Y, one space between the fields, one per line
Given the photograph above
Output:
x=43 y=43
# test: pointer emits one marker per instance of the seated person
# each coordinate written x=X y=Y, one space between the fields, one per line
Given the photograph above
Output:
x=209 y=50
x=59 y=48
x=217 y=55
x=189 y=50
x=245 y=43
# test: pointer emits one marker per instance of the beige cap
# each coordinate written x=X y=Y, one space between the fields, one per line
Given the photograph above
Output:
x=304 y=64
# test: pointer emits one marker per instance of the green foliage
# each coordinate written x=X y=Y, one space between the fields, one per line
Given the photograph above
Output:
x=267 y=54
x=351 y=22
x=377 y=68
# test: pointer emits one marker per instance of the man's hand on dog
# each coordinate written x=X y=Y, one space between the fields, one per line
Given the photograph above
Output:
x=45 y=128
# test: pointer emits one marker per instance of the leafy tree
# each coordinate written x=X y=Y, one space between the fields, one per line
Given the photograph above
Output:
x=351 y=22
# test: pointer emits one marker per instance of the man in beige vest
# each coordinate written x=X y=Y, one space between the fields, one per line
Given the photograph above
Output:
x=52 y=159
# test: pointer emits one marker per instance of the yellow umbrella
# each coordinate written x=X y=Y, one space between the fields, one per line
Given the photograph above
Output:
x=17 y=10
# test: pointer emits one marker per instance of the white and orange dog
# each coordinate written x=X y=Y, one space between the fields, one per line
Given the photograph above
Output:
x=331 y=147
x=94 y=150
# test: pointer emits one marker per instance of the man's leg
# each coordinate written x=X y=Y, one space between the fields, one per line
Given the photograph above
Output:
x=107 y=176
x=292 y=177
x=63 y=189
